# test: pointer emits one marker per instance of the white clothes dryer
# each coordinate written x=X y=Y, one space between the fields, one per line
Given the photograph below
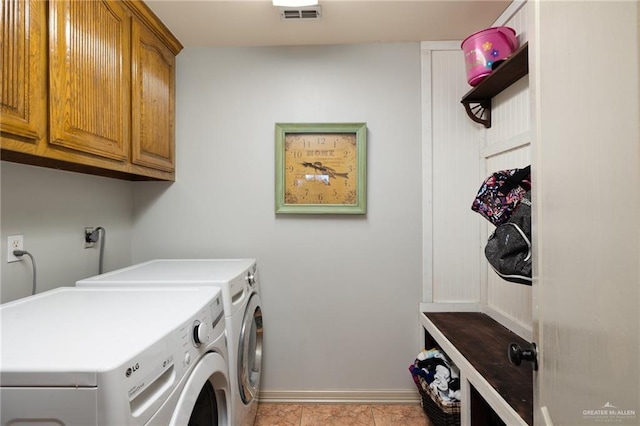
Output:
x=115 y=356
x=238 y=279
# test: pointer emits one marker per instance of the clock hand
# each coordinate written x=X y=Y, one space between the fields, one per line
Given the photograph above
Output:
x=317 y=165
x=328 y=170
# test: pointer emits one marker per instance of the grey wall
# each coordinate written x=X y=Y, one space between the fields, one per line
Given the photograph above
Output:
x=340 y=293
x=51 y=208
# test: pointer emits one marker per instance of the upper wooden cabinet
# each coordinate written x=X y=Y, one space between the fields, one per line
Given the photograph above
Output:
x=89 y=92
x=109 y=108
x=153 y=95
x=23 y=74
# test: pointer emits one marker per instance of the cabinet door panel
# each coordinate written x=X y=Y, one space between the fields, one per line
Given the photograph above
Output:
x=89 y=74
x=153 y=101
x=22 y=74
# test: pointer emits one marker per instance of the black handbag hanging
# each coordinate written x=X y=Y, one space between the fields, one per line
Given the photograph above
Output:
x=509 y=247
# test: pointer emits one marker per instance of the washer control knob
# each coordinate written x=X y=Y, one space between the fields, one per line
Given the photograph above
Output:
x=251 y=279
x=200 y=333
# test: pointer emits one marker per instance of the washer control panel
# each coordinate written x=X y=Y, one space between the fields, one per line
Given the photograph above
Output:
x=161 y=365
x=250 y=278
x=217 y=311
x=201 y=331
x=252 y=275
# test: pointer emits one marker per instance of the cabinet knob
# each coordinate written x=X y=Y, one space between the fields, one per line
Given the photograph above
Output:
x=517 y=354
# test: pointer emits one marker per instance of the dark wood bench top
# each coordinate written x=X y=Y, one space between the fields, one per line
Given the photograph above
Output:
x=484 y=342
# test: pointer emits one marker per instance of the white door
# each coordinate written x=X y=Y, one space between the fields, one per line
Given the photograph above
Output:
x=586 y=166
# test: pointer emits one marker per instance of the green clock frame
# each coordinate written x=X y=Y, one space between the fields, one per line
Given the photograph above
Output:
x=286 y=202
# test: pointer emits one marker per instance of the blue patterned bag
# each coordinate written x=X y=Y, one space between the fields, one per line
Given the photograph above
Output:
x=500 y=194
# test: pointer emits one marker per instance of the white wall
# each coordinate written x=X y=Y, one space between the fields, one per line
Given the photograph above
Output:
x=51 y=208
x=339 y=292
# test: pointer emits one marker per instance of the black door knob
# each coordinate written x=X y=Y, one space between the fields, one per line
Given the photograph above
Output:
x=517 y=354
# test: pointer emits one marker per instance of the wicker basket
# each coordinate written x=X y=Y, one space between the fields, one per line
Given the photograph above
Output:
x=441 y=413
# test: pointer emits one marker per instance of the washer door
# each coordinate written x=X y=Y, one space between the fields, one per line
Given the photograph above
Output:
x=250 y=350
x=205 y=397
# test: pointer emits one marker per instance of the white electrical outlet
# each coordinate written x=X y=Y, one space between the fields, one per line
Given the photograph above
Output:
x=87 y=231
x=14 y=242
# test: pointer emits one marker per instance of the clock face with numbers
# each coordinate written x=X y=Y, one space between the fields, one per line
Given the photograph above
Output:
x=321 y=168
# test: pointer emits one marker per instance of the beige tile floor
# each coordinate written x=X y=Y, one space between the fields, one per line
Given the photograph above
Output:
x=276 y=414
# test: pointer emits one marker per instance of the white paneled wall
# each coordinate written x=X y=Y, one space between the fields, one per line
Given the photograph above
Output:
x=458 y=155
x=455 y=143
x=452 y=264
x=506 y=299
x=516 y=17
x=510 y=116
x=507 y=147
x=510 y=109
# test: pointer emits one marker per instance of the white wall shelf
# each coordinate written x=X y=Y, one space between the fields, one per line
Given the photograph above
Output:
x=477 y=102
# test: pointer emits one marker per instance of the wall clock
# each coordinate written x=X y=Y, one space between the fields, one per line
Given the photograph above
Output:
x=321 y=168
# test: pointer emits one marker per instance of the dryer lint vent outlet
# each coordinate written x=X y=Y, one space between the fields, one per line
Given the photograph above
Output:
x=301 y=13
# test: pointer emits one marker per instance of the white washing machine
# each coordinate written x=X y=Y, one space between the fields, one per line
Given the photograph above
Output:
x=114 y=356
x=238 y=279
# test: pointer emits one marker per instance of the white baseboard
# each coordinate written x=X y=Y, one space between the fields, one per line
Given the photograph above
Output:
x=342 y=397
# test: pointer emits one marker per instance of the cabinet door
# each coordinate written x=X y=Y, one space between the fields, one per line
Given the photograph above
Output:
x=22 y=74
x=89 y=75
x=153 y=100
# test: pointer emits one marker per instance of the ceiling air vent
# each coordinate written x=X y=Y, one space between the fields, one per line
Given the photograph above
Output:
x=300 y=13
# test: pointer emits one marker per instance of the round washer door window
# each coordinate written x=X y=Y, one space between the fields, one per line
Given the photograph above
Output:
x=250 y=351
x=205 y=410
x=204 y=400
